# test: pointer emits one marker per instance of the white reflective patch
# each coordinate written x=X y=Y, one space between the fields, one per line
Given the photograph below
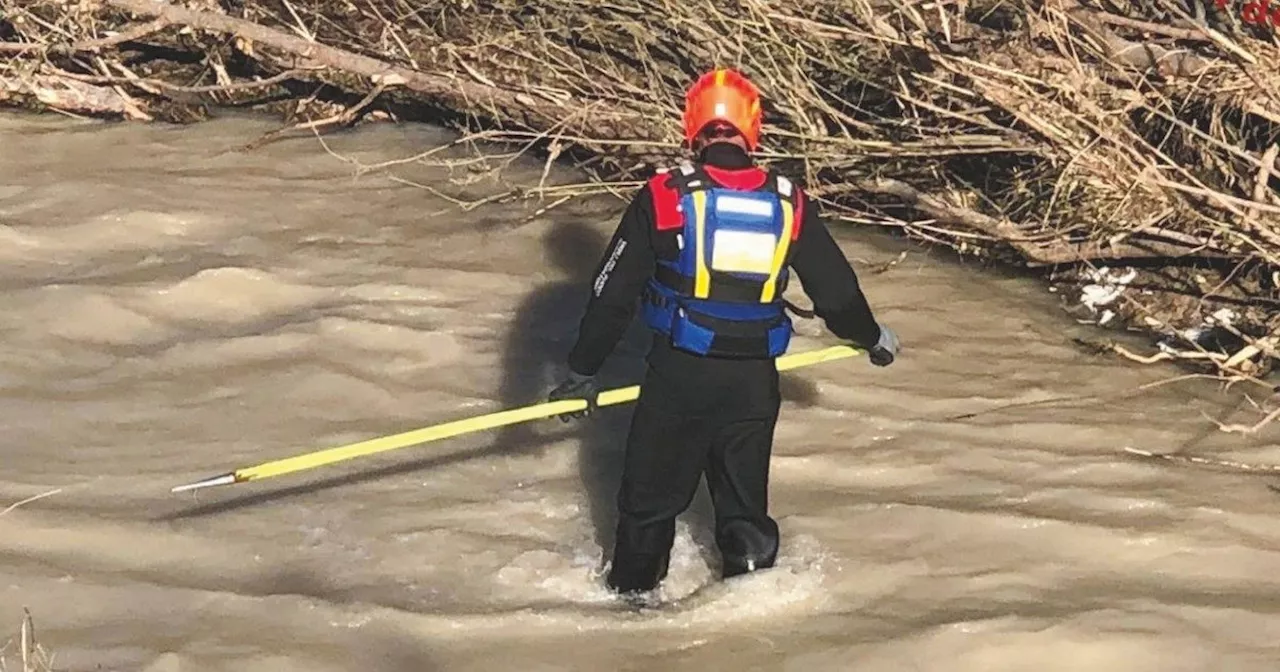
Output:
x=744 y=206
x=742 y=251
x=721 y=110
x=608 y=267
x=784 y=186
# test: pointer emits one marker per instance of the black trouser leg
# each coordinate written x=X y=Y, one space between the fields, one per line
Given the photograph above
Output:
x=664 y=459
x=738 y=478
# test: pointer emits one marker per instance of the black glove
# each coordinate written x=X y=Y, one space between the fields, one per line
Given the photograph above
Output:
x=576 y=386
x=881 y=354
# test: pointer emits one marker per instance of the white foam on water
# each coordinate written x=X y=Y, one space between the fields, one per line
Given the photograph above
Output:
x=230 y=296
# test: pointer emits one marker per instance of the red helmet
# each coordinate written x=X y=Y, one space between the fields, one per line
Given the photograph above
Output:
x=723 y=95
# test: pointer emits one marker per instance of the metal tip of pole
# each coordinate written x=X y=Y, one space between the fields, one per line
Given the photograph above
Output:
x=224 y=479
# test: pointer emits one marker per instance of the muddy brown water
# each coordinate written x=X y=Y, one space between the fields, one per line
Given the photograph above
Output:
x=171 y=310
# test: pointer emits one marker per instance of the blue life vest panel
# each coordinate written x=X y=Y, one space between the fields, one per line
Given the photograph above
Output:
x=722 y=294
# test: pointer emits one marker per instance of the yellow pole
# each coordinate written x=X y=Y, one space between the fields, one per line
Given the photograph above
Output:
x=479 y=423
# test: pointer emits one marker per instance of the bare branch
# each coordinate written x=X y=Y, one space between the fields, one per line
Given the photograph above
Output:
x=135 y=33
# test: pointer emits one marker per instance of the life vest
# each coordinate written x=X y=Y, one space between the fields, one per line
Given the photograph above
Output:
x=722 y=294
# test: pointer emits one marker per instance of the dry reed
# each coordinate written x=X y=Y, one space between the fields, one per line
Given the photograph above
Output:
x=26 y=651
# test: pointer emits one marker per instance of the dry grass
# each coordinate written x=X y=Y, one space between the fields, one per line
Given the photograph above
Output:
x=1056 y=134
x=25 y=654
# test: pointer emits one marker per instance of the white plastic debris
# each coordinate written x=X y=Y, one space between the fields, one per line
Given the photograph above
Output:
x=1222 y=317
x=1106 y=288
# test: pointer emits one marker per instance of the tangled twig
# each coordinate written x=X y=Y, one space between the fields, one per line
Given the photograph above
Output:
x=28 y=500
x=1212 y=462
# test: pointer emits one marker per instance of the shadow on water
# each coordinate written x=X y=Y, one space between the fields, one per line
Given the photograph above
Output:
x=541 y=334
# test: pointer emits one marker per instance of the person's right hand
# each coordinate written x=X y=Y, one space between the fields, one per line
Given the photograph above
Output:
x=883 y=352
x=576 y=386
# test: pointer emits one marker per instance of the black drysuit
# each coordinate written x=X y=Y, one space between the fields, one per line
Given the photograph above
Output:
x=698 y=413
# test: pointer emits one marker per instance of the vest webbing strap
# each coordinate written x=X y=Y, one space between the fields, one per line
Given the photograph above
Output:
x=725 y=288
x=779 y=252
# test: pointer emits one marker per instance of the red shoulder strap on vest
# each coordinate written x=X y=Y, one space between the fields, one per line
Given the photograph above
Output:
x=666 y=197
x=666 y=201
x=798 y=198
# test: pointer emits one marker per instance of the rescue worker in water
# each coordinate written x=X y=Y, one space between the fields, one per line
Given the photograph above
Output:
x=705 y=248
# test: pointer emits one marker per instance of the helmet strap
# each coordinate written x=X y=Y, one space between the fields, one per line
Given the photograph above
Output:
x=717 y=133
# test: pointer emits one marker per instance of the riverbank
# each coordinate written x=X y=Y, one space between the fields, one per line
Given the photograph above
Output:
x=1127 y=158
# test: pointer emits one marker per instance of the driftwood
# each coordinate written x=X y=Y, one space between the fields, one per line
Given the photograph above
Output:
x=67 y=93
x=1042 y=252
x=530 y=107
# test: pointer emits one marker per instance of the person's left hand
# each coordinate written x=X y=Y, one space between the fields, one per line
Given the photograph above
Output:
x=576 y=386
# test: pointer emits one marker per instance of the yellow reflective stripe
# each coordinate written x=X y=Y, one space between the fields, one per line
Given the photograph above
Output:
x=779 y=253
x=702 y=278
